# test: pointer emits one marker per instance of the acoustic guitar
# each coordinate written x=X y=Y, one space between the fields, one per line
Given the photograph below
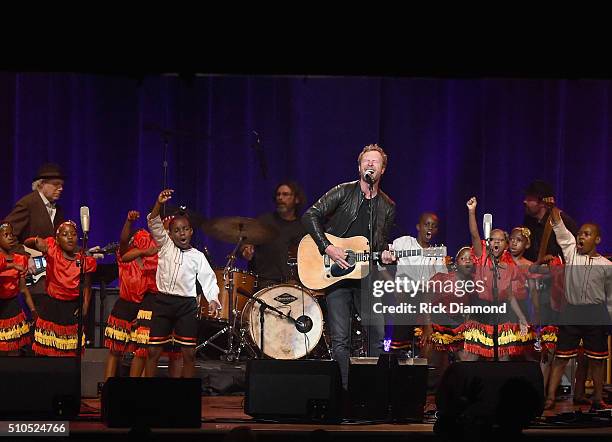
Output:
x=318 y=271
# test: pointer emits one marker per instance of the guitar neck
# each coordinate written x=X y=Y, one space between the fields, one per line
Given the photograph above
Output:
x=363 y=257
x=430 y=252
x=406 y=253
x=397 y=253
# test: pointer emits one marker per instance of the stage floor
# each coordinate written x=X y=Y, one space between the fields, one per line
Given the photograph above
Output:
x=221 y=414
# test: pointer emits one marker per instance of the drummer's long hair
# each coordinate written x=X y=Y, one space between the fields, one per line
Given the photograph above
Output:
x=297 y=191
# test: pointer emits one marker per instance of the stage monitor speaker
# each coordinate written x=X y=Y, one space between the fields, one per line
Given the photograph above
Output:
x=152 y=402
x=388 y=388
x=39 y=388
x=507 y=394
x=296 y=390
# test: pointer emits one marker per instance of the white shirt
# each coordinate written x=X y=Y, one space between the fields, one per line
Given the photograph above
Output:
x=588 y=279
x=178 y=269
x=416 y=267
x=51 y=209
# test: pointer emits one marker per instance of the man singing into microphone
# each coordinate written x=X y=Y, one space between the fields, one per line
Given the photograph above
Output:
x=346 y=210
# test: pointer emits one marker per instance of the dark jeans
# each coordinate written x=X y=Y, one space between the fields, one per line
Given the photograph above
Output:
x=340 y=303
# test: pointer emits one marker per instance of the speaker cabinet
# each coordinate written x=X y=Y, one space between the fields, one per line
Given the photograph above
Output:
x=509 y=394
x=304 y=390
x=387 y=388
x=39 y=388
x=152 y=402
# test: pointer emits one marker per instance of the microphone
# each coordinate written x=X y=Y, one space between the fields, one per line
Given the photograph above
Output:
x=303 y=324
x=487 y=223
x=85 y=219
x=368 y=176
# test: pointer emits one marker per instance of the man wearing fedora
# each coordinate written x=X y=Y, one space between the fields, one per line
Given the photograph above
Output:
x=536 y=216
x=37 y=213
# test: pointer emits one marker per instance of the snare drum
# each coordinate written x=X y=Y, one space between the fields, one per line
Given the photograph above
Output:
x=243 y=281
x=281 y=338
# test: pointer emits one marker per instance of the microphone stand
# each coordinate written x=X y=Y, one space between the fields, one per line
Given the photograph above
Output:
x=79 y=349
x=81 y=264
x=370 y=259
x=165 y=172
x=495 y=268
x=260 y=154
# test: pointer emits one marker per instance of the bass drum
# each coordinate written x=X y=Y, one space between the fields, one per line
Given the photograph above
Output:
x=282 y=340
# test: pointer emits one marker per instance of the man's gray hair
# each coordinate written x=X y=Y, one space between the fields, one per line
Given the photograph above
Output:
x=36 y=185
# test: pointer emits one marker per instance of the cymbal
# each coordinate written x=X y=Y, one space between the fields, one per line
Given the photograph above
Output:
x=231 y=228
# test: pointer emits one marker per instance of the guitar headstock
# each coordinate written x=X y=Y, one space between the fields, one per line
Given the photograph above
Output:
x=110 y=248
x=549 y=201
x=435 y=252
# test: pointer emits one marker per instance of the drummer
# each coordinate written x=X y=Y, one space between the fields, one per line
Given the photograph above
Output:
x=270 y=260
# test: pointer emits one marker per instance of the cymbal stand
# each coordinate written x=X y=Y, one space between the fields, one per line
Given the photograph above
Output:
x=292 y=263
x=228 y=279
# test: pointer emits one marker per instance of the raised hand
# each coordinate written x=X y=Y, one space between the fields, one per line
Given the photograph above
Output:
x=471 y=203
x=164 y=196
x=133 y=215
x=474 y=233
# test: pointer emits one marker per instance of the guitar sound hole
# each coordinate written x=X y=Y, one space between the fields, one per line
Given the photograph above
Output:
x=337 y=271
x=350 y=258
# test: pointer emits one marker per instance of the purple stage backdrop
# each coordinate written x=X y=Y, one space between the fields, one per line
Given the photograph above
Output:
x=447 y=140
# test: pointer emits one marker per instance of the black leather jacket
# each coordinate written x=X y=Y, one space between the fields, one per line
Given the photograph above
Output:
x=338 y=209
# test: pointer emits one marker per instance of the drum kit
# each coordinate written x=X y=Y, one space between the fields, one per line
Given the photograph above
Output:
x=282 y=321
